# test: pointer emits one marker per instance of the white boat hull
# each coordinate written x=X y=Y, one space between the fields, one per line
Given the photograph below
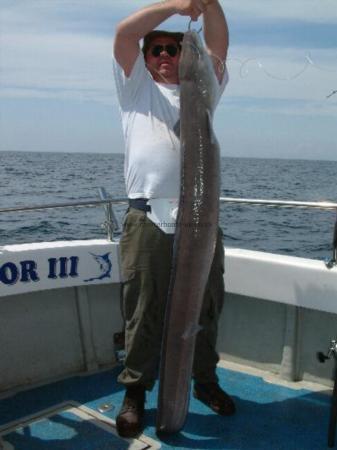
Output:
x=279 y=311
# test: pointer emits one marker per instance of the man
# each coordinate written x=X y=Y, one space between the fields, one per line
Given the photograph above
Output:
x=148 y=91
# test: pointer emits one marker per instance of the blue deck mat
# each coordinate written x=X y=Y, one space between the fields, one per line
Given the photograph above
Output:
x=268 y=416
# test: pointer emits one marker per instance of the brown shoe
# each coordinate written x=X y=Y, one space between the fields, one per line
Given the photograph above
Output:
x=129 y=421
x=213 y=396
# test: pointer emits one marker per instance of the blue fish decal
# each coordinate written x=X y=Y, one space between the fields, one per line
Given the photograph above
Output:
x=104 y=264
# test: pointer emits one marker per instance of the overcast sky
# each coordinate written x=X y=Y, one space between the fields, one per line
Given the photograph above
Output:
x=57 y=92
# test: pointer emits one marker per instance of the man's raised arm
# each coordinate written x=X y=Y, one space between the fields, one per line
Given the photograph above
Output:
x=216 y=35
x=130 y=30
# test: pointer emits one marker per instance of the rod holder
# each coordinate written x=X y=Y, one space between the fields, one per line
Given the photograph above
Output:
x=110 y=224
x=331 y=352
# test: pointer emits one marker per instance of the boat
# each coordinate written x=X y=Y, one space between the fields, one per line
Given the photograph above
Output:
x=61 y=347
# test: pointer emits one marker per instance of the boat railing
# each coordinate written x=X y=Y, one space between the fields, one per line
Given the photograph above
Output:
x=112 y=227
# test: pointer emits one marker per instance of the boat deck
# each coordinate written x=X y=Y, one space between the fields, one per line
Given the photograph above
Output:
x=65 y=416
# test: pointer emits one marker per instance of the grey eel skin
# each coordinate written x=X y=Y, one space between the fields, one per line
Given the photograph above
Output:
x=196 y=232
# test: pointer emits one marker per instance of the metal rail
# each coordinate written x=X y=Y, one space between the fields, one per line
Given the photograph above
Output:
x=86 y=204
x=281 y=203
x=111 y=224
x=232 y=200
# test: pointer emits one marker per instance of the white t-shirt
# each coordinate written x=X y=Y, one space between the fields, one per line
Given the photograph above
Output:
x=149 y=112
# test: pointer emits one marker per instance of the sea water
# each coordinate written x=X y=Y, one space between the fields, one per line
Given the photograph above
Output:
x=32 y=178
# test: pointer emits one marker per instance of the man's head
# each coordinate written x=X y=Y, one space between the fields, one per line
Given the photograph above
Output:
x=161 y=52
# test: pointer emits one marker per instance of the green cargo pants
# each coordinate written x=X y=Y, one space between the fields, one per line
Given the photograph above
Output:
x=146 y=253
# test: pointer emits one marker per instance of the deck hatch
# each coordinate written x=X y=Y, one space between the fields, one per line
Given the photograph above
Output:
x=69 y=426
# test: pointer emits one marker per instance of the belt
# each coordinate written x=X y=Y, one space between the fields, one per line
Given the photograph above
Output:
x=139 y=203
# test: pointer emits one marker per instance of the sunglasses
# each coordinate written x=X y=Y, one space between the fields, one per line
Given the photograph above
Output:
x=170 y=49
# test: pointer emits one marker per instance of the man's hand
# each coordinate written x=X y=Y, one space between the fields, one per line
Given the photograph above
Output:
x=192 y=8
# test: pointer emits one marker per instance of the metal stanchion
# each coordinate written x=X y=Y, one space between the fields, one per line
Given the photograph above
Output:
x=110 y=224
x=333 y=261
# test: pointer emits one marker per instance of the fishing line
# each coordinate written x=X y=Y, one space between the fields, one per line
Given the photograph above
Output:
x=189 y=28
x=270 y=74
x=323 y=69
x=308 y=61
x=219 y=61
x=331 y=94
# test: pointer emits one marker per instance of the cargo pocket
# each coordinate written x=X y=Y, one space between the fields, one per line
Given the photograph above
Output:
x=139 y=295
x=131 y=223
x=131 y=310
x=130 y=292
x=137 y=242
